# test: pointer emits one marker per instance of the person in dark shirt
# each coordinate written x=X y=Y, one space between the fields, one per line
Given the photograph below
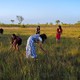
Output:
x=79 y=37
x=38 y=30
x=16 y=41
x=1 y=30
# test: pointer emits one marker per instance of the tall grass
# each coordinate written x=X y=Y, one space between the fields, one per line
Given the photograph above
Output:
x=61 y=63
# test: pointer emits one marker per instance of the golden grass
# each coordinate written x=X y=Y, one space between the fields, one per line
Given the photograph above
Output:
x=67 y=31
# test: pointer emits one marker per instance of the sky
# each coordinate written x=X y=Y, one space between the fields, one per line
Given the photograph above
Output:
x=40 y=11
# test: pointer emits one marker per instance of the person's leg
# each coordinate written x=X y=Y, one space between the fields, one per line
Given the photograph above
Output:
x=14 y=45
x=33 y=52
x=17 y=47
x=28 y=51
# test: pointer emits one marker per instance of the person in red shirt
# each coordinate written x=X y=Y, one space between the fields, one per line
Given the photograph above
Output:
x=58 y=34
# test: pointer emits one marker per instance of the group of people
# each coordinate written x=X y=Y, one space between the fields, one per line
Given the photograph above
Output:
x=37 y=38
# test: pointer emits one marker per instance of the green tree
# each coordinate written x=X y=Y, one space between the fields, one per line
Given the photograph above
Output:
x=20 y=19
x=78 y=22
x=57 y=21
x=51 y=23
x=12 y=21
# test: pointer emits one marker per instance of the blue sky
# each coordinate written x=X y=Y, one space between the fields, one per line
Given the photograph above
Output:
x=40 y=11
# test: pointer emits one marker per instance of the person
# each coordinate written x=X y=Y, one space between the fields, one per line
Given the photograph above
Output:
x=1 y=30
x=16 y=41
x=30 y=46
x=79 y=37
x=38 y=30
x=58 y=34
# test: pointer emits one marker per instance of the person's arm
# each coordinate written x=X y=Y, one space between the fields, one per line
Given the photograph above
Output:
x=40 y=45
x=14 y=44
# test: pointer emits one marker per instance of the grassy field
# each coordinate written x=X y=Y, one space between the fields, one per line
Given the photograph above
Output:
x=61 y=63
